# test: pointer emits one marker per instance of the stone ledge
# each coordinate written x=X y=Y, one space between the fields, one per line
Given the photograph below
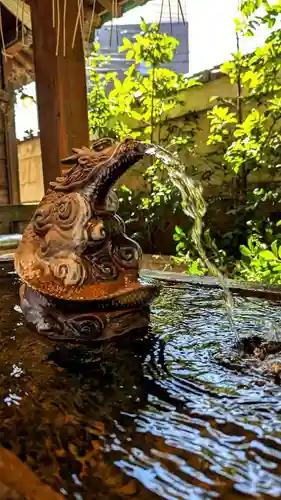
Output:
x=248 y=289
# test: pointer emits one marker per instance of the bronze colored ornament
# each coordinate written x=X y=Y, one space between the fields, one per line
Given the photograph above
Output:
x=78 y=266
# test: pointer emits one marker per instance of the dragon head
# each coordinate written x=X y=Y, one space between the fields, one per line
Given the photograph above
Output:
x=75 y=247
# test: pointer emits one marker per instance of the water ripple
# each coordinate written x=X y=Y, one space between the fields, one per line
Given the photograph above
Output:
x=150 y=416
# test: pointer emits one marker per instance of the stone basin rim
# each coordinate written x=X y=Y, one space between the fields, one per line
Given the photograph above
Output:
x=271 y=292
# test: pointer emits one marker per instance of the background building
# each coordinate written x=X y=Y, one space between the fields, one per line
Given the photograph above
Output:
x=173 y=21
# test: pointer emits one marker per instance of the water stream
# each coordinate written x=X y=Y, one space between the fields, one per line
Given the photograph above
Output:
x=194 y=206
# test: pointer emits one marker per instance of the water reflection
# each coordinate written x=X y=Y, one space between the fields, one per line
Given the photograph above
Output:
x=174 y=412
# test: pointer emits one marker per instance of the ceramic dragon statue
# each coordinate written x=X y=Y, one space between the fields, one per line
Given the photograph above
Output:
x=78 y=268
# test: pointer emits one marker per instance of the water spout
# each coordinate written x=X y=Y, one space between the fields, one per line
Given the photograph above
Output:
x=194 y=206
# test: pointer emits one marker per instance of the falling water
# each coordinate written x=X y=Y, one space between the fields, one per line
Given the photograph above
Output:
x=194 y=206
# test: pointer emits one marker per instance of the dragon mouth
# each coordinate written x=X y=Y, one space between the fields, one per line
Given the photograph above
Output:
x=124 y=157
x=103 y=165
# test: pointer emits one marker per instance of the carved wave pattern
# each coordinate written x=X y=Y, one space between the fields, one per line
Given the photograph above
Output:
x=119 y=254
x=69 y=268
x=87 y=328
x=42 y=220
x=103 y=267
x=126 y=253
x=59 y=327
x=76 y=249
x=64 y=212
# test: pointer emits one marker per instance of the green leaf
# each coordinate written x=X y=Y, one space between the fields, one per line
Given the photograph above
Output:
x=130 y=55
x=274 y=248
x=180 y=246
x=277 y=267
x=245 y=251
x=127 y=44
x=143 y=25
x=136 y=116
x=267 y=255
x=179 y=230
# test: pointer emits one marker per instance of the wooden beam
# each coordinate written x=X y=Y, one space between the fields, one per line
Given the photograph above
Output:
x=19 y=9
x=18 y=47
x=24 y=61
x=61 y=85
x=14 y=49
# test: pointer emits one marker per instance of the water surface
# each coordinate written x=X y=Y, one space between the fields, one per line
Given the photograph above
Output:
x=154 y=415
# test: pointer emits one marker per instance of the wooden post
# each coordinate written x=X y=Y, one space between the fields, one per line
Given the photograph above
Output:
x=11 y=145
x=60 y=82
